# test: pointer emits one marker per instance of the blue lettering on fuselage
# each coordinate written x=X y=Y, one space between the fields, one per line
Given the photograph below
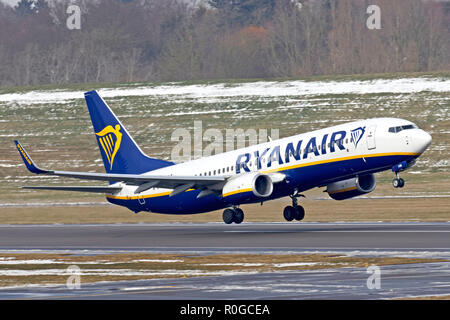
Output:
x=259 y=157
x=311 y=147
x=324 y=144
x=242 y=163
x=275 y=155
x=291 y=152
x=339 y=141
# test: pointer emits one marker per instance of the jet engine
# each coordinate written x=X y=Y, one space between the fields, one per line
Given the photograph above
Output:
x=352 y=187
x=238 y=188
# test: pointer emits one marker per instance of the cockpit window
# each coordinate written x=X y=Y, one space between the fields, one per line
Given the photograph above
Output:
x=400 y=128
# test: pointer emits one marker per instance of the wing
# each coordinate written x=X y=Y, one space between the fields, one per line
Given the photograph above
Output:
x=93 y=189
x=143 y=181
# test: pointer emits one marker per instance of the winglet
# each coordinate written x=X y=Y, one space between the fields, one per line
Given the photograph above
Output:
x=27 y=160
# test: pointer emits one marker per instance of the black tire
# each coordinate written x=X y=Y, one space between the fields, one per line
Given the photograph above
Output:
x=299 y=213
x=228 y=216
x=289 y=213
x=238 y=216
x=395 y=183
x=401 y=183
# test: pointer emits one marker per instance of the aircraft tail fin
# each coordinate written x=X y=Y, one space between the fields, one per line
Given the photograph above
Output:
x=119 y=151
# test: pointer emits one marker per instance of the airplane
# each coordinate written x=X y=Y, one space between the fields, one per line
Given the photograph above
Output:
x=342 y=158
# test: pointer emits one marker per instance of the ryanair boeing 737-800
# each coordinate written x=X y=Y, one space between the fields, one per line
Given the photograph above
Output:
x=342 y=158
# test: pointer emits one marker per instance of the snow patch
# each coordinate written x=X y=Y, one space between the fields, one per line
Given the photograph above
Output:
x=260 y=89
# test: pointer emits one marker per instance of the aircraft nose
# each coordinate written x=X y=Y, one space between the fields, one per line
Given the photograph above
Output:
x=423 y=140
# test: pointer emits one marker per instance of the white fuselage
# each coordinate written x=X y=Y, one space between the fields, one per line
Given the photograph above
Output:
x=317 y=147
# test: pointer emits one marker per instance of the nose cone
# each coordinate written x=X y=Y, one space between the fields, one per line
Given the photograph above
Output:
x=422 y=140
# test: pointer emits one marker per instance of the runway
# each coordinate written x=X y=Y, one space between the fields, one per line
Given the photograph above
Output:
x=398 y=281
x=221 y=237
x=419 y=240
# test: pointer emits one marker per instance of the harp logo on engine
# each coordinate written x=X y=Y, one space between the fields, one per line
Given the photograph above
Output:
x=110 y=139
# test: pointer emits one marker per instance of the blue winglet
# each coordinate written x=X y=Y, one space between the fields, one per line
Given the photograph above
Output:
x=27 y=160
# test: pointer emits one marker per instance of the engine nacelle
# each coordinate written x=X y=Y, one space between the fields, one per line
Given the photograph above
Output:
x=237 y=188
x=352 y=187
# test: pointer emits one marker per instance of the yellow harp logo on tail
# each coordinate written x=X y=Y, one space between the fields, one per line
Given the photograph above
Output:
x=110 y=139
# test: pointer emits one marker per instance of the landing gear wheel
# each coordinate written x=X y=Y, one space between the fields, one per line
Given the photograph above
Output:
x=238 y=215
x=289 y=213
x=299 y=213
x=295 y=211
x=228 y=216
x=398 y=183
x=395 y=183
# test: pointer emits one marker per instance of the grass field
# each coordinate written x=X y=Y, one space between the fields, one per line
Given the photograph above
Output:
x=372 y=210
x=54 y=125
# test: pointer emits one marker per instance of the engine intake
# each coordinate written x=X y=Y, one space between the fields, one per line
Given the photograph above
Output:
x=352 y=187
x=262 y=186
x=238 y=188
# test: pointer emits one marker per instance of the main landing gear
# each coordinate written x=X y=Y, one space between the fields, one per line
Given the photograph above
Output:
x=235 y=215
x=295 y=211
x=398 y=182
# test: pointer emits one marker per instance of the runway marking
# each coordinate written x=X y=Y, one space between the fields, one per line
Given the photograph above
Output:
x=147 y=288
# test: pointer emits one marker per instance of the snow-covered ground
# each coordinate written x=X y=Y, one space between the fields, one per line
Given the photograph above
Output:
x=259 y=89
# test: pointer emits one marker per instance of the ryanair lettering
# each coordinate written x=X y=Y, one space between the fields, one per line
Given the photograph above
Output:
x=297 y=151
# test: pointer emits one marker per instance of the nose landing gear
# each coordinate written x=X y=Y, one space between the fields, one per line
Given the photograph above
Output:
x=295 y=211
x=398 y=182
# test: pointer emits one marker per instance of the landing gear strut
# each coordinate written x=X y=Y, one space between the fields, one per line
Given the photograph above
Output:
x=398 y=182
x=235 y=215
x=295 y=211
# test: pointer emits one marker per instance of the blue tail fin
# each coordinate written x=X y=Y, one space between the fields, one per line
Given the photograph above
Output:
x=119 y=151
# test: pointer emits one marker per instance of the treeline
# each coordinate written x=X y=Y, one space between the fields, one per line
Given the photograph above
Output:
x=172 y=40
